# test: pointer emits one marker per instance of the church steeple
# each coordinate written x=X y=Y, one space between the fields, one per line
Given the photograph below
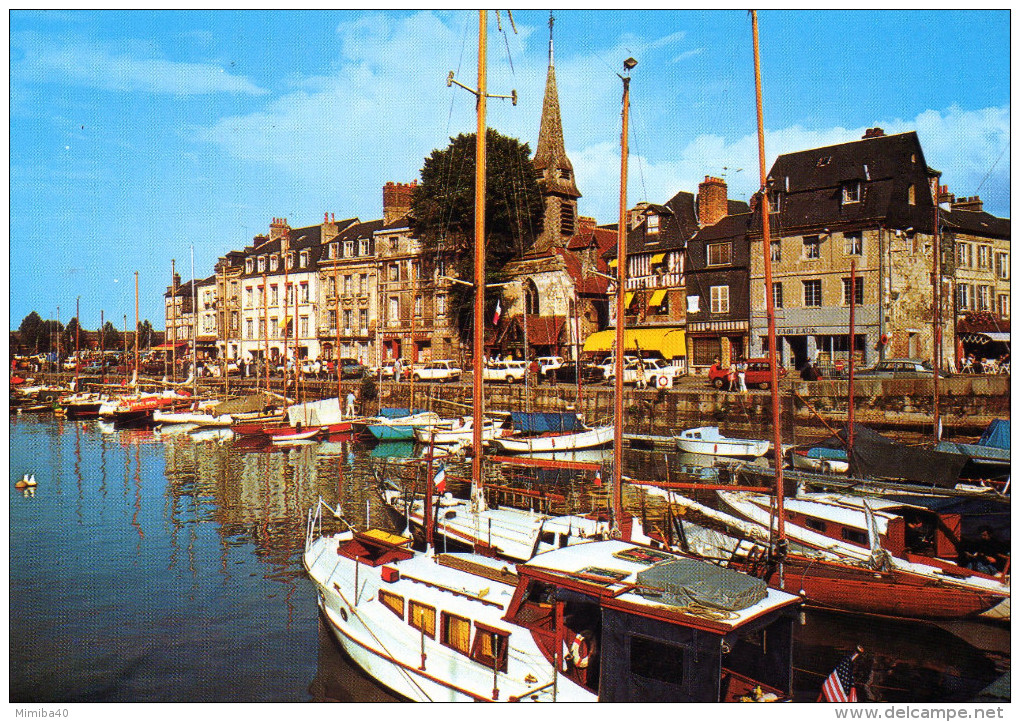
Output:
x=556 y=173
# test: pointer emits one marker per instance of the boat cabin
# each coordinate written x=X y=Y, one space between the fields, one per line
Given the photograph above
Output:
x=634 y=624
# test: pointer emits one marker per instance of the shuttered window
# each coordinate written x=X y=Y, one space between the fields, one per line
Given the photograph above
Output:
x=455 y=632
x=393 y=602
x=422 y=617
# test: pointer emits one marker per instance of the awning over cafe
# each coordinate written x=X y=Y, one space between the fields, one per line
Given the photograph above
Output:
x=656 y=299
x=671 y=342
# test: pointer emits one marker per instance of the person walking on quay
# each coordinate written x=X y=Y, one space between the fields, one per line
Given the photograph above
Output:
x=742 y=375
x=397 y=369
x=350 y=404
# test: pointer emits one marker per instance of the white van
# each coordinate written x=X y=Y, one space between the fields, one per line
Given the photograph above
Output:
x=505 y=371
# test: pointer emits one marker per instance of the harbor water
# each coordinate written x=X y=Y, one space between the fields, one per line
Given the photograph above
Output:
x=165 y=566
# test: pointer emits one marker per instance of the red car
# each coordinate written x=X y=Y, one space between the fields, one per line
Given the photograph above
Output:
x=757 y=374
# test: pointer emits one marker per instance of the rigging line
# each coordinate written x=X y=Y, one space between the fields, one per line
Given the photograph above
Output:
x=989 y=173
x=506 y=42
x=640 y=158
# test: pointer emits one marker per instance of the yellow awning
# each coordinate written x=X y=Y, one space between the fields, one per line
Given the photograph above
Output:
x=671 y=342
x=658 y=258
x=284 y=322
x=656 y=299
x=612 y=263
x=628 y=299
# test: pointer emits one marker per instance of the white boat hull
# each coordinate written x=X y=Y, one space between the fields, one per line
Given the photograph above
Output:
x=587 y=439
x=708 y=442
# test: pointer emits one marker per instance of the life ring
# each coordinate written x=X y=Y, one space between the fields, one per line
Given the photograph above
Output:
x=662 y=382
x=581 y=650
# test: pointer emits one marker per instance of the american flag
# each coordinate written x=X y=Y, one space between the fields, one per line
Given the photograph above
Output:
x=839 y=686
x=440 y=479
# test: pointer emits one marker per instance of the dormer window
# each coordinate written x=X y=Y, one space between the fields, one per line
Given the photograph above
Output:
x=653 y=223
x=249 y=266
x=363 y=251
x=852 y=192
x=274 y=262
x=348 y=249
x=289 y=260
x=262 y=264
x=333 y=248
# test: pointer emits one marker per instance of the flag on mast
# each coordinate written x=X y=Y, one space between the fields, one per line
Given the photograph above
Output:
x=499 y=311
x=439 y=480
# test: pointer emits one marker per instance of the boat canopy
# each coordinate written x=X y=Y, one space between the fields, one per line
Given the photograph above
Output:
x=544 y=422
x=682 y=582
x=671 y=342
x=875 y=456
x=393 y=412
x=996 y=435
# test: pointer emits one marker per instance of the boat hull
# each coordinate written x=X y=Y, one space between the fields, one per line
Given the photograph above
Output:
x=587 y=439
x=722 y=446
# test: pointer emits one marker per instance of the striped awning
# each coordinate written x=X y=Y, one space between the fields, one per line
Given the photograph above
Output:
x=628 y=299
x=656 y=299
x=979 y=338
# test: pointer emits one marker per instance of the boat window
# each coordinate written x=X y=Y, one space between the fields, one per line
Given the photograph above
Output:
x=855 y=536
x=564 y=539
x=455 y=632
x=393 y=602
x=653 y=659
x=547 y=537
x=422 y=617
x=816 y=524
x=490 y=647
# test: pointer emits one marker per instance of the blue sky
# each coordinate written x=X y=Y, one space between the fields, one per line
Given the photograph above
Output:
x=138 y=135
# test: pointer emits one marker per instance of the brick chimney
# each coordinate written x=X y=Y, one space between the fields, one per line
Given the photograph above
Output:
x=278 y=228
x=396 y=200
x=873 y=133
x=712 y=203
x=967 y=203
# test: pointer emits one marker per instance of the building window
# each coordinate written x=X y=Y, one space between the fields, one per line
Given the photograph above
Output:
x=394 y=272
x=964 y=255
x=262 y=328
x=455 y=633
x=290 y=294
x=331 y=319
x=274 y=262
x=331 y=287
x=858 y=291
x=289 y=260
x=440 y=305
x=718 y=254
x=812 y=292
x=982 y=298
x=248 y=265
x=653 y=223
x=274 y=295
x=304 y=293
x=911 y=195
x=1004 y=305
x=812 y=247
x=705 y=349
x=347 y=320
x=854 y=243
x=422 y=617
x=364 y=247
x=249 y=329
x=777 y=251
x=394 y=314
x=777 y=295
x=363 y=284
x=852 y=192
x=247 y=296
x=417 y=306
x=963 y=297
x=304 y=327
x=262 y=264
x=303 y=259
x=984 y=256
x=394 y=242
x=720 y=299
x=332 y=250
x=347 y=285
x=235 y=319
x=348 y=249
x=531 y=298
x=363 y=320
x=774 y=200
x=274 y=324
x=1002 y=265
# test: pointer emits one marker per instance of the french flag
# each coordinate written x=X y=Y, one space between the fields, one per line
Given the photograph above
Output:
x=499 y=311
x=440 y=479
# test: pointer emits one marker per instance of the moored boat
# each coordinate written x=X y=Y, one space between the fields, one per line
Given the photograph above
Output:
x=708 y=441
x=545 y=432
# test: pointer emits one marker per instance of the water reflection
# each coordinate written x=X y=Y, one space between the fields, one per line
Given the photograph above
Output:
x=188 y=585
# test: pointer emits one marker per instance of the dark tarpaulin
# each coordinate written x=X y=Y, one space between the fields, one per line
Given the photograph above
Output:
x=877 y=457
x=391 y=412
x=544 y=422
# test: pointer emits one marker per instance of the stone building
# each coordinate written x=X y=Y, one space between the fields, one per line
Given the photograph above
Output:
x=870 y=203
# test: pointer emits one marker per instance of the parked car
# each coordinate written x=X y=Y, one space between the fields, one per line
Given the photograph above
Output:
x=608 y=366
x=567 y=373
x=351 y=368
x=508 y=372
x=442 y=370
x=758 y=374
x=548 y=364
x=649 y=372
x=899 y=368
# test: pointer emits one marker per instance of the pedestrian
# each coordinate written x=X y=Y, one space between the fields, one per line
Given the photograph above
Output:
x=809 y=372
x=742 y=375
x=350 y=404
x=986 y=554
x=397 y=369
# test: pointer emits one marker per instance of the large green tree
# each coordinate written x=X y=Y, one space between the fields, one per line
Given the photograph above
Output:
x=29 y=331
x=443 y=212
x=111 y=337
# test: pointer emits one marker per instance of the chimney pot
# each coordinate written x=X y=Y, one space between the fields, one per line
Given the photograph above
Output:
x=713 y=205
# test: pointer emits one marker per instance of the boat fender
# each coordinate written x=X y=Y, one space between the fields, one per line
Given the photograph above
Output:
x=582 y=649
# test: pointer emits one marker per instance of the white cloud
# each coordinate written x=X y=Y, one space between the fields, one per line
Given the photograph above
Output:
x=41 y=59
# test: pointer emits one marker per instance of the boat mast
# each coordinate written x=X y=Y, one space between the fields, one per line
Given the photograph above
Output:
x=265 y=329
x=284 y=250
x=77 y=352
x=621 y=280
x=336 y=302
x=479 y=326
x=850 y=385
x=173 y=319
x=194 y=327
x=770 y=309
x=937 y=316
x=136 y=328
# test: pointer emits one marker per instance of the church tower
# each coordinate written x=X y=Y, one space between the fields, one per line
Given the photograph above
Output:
x=555 y=172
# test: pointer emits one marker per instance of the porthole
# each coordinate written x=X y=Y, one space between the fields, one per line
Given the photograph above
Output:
x=343 y=613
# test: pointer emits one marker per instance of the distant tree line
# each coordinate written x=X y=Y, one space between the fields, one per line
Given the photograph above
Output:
x=38 y=336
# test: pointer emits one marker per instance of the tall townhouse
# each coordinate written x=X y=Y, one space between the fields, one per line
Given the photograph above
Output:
x=348 y=280
x=206 y=333
x=415 y=322
x=179 y=307
x=870 y=203
x=279 y=296
x=229 y=269
x=981 y=275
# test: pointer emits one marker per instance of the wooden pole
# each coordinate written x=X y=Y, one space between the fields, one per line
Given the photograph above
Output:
x=850 y=384
x=265 y=330
x=479 y=325
x=937 y=315
x=173 y=319
x=770 y=309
